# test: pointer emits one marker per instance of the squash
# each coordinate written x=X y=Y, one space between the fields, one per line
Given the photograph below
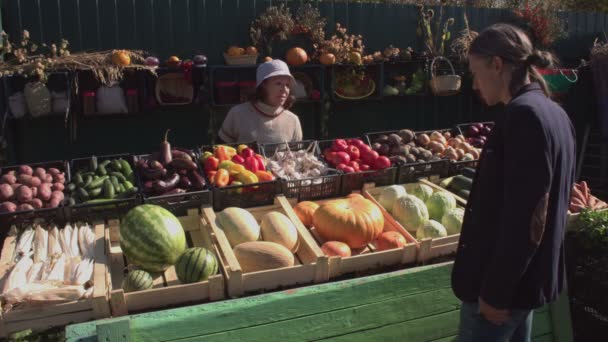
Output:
x=336 y=248
x=235 y=51
x=278 y=228
x=327 y=59
x=238 y=225
x=296 y=56
x=262 y=255
x=390 y=240
x=355 y=221
x=121 y=57
x=305 y=211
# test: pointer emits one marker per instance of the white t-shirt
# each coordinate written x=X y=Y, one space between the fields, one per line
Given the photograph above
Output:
x=247 y=122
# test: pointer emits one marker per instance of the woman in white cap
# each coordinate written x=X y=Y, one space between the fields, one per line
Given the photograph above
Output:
x=266 y=118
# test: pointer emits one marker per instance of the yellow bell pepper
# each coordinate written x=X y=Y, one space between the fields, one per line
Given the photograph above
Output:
x=230 y=151
x=226 y=164
x=236 y=169
x=205 y=155
x=241 y=147
x=237 y=190
x=247 y=177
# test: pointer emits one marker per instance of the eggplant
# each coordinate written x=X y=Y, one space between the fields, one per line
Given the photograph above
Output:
x=152 y=174
x=177 y=154
x=175 y=191
x=183 y=164
x=155 y=164
x=162 y=186
x=142 y=164
x=165 y=150
x=184 y=182
x=198 y=182
x=190 y=153
x=148 y=187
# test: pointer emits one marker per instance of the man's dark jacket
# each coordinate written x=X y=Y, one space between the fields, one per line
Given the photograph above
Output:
x=511 y=250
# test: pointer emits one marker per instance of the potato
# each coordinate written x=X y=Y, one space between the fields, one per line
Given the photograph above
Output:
x=24 y=194
x=26 y=170
x=24 y=179
x=25 y=206
x=6 y=192
x=12 y=173
x=9 y=179
x=7 y=207
x=58 y=187
x=40 y=172
x=36 y=181
x=44 y=191
x=54 y=203
x=48 y=179
x=54 y=171
x=34 y=192
x=15 y=186
x=37 y=203
x=57 y=194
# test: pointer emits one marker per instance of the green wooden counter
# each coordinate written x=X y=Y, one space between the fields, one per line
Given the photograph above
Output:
x=409 y=305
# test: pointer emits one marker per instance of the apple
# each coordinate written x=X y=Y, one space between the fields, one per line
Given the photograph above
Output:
x=364 y=149
x=342 y=158
x=382 y=163
x=152 y=61
x=340 y=145
x=364 y=167
x=353 y=151
x=370 y=157
x=354 y=165
x=327 y=154
x=348 y=169
x=332 y=158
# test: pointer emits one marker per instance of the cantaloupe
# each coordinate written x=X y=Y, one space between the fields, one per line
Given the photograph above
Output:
x=262 y=255
x=278 y=228
x=238 y=225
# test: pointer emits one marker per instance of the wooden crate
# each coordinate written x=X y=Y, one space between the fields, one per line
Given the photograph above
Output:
x=427 y=248
x=369 y=258
x=311 y=265
x=44 y=317
x=167 y=290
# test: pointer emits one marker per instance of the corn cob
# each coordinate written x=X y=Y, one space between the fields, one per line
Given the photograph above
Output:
x=83 y=272
x=41 y=240
x=18 y=294
x=57 y=269
x=18 y=275
x=56 y=295
x=25 y=242
x=35 y=273
x=54 y=245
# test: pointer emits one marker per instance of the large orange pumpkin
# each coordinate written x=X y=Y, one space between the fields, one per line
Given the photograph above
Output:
x=305 y=211
x=355 y=221
x=296 y=56
x=327 y=59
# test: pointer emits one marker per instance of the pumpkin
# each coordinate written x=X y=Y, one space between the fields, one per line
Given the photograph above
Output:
x=173 y=61
x=296 y=56
x=355 y=221
x=390 y=240
x=251 y=50
x=355 y=195
x=327 y=59
x=305 y=211
x=235 y=51
x=336 y=248
x=121 y=58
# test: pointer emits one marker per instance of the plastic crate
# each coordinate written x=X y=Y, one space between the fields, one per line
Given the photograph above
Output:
x=106 y=210
x=178 y=204
x=354 y=181
x=456 y=167
x=246 y=195
x=463 y=128
x=48 y=214
x=409 y=173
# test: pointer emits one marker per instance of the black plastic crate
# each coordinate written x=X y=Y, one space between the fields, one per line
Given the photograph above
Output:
x=409 y=173
x=178 y=204
x=355 y=180
x=246 y=195
x=107 y=210
x=311 y=188
x=48 y=214
x=456 y=167
x=463 y=128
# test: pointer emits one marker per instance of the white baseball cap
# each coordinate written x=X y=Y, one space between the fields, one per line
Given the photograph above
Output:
x=275 y=67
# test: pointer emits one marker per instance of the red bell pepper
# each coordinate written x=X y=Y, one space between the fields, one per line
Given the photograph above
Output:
x=211 y=164
x=221 y=153
x=238 y=159
x=261 y=162
x=251 y=164
x=247 y=152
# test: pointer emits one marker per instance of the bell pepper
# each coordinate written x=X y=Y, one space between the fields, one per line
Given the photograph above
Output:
x=235 y=169
x=237 y=190
x=231 y=151
x=264 y=176
x=238 y=159
x=247 y=152
x=221 y=178
x=211 y=176
x=205 y=155
x=241 y=147
x=226 y=164
x=261 y=162
x=211 y=164
x=247 y=177
x=221 y=153
x=251 y=164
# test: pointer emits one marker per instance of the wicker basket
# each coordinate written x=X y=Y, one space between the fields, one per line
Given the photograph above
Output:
x=241 y=60
x=176 y=86
x=445 y=85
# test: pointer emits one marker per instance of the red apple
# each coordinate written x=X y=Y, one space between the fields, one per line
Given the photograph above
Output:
x=332 y=158
x=356 y=142
x=342 y=158
x=348 y=169
x=364 y=167
x=340 y=145
x=327 y=154
x=363 y=149
x=341 y=166
x=382 y=163
x=370 y=157
x=354 y=165
x=353 y=152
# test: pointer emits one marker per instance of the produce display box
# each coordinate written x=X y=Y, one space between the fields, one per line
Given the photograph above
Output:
x=246 y=195
x=427 y=248
x=55 y=315
x=455 y=168
x=370 y=258
x=572 y=220
x=463 y=128
x=354 y=181
x=306 y=189
x=311 y=265
x=18 y=217
x=167 y=290
x=178 y=204
x=105 y=210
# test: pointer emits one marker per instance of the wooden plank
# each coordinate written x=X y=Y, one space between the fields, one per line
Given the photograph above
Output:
x=561 y=320
x=41 y=312
x=100 y=305
x=117 y=330
x=53 y=321
x=171 y=276
x=118 y=303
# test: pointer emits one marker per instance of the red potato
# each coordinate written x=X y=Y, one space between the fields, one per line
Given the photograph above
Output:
x=34 y=192
x=25 y=206
x=58 y=179
x=58 y=187
x=45 y=192
x=24 y=194
x=40 y=172
x=25 y=179
x=54 y=203
x=7 y=207
x=37 y=203
x=9 y=179
x=25 y=170
x=36 y=181
x=6 y=192
x=57 y=194
x=15 y=186
x=54 y=171
x=12 y=173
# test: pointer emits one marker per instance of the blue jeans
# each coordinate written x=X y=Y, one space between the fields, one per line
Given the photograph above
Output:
x=475 y=328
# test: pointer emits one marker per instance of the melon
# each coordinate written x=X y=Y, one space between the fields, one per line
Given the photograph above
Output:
x=431 y=229
x=137 y=280
x=196 y=264
x=262 y=255
x=238 y=225
x=440 y=203
x=389 y=195
x=151 y=237
x=278 y=228
x=410 y=212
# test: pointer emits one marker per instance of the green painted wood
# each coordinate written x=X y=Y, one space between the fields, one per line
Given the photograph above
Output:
x=561 y=318
x=117 y=330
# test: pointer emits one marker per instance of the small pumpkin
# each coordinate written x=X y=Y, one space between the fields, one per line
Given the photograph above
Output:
x=336 y=248
x=235 y=51
x=390 y=240
x=251 y=50
x=327 y=59
x=355 y=221
x=305 y=211
x=121 y=58
x=296 y=56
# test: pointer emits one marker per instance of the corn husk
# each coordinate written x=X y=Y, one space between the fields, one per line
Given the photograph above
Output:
x=86 y=240
x=74 y=249
x=35 y=273
x=17 y=294
x=83 y=272
x=54 y=245
x=65 y=238
x=71 y=266
x=41 y=240
x=56 y=295
x=25 y=242
x=57 y=269
x=18 y=275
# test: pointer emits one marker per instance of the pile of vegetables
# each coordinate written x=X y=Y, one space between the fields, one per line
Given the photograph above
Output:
x=461 y=184
x=102 y=181
x=477 y=134
x=29 y=189
x=229 y=166
x=171 y=171
x=581 y=199
x=52 y=266
x=300 y=164
x=353 y=155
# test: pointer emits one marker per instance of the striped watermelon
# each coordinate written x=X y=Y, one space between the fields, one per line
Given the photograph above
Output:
x=151 y=237
x=196 y=264
x=137 y=280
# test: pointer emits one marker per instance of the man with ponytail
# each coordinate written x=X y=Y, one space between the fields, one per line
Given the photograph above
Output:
x=510 y=258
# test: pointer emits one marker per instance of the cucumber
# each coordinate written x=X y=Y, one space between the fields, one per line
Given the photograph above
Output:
x=126 y=167
x=128 y=193
x=108 y=189
x=71 y=187
x=105 y=163
x=446 y=182
x=468 y=172
x=461 y=183
x=93 y=193
x=115 y=183
x=87 y=181
x=128 y=185
x=78 y=179
x=116 y=165
x=101 y=170
x=71 y=201
x=82 y=194
x=464 y=194
x=121 y=178
x=97 y=183
x=99 y=200
x=93 y=164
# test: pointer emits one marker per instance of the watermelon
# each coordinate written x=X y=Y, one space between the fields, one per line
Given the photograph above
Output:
x=137 y=280
x=151 y=238
x=196 y=264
